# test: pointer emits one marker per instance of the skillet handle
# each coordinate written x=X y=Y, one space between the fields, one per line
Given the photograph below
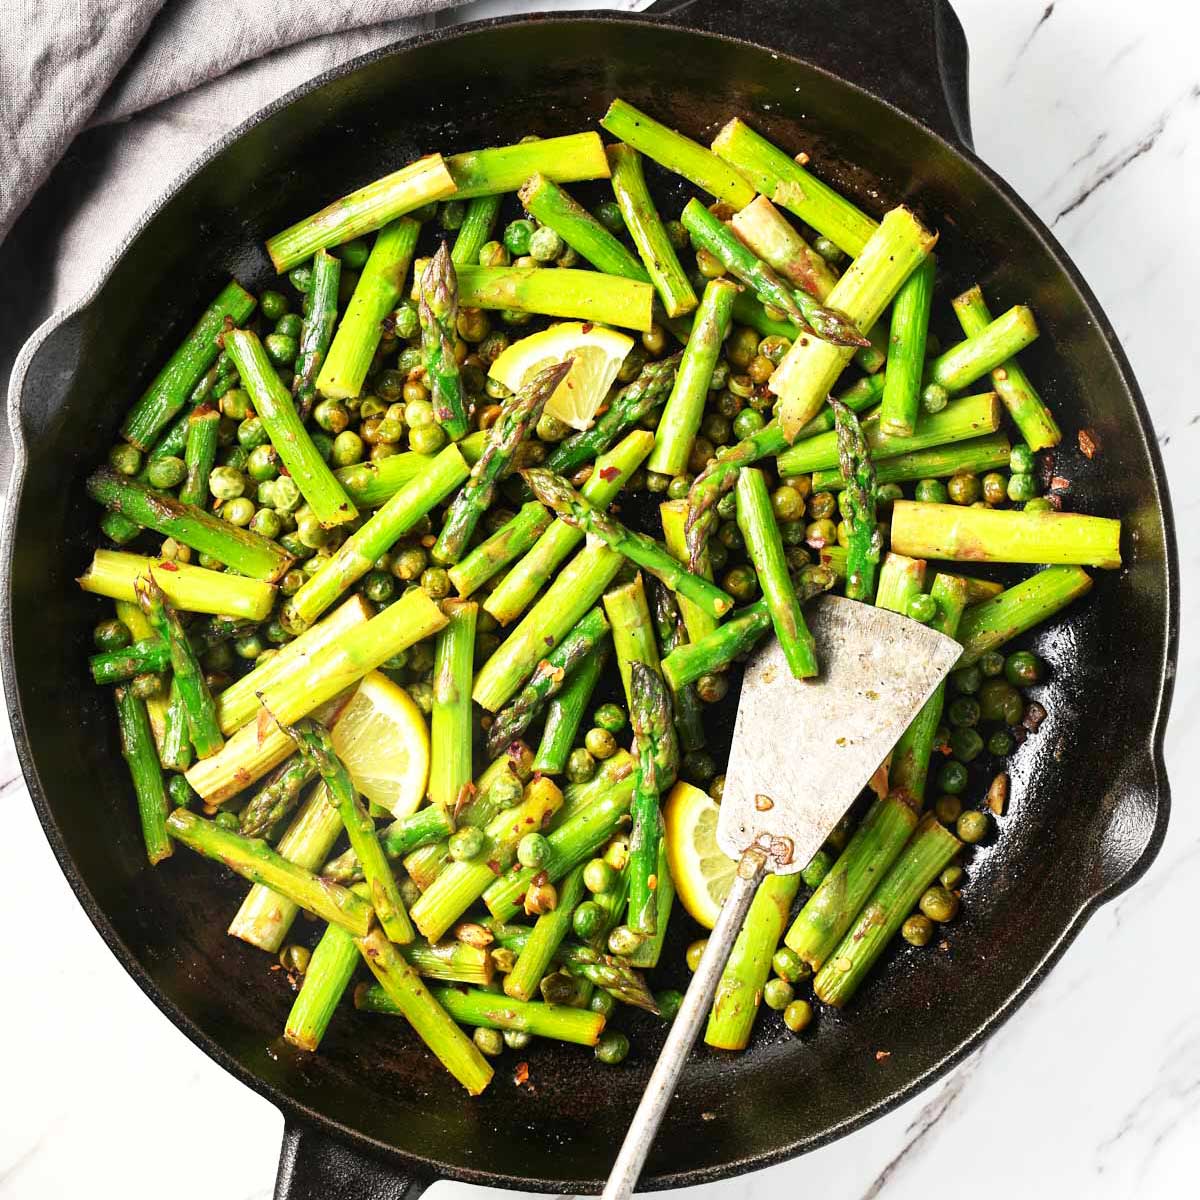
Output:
x=313 y=1166
x=911 y=53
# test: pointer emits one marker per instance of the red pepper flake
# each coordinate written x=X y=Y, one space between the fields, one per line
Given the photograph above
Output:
x=1089 y=443
x=882 y=1055
x=1060 y=483
x=167 y=565
x=587 y=327
x=493 y=866
x=521 y=1074
x=262 y=725
x=608 y=474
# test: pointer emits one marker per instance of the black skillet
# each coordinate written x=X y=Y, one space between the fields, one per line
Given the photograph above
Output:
x=876 y=92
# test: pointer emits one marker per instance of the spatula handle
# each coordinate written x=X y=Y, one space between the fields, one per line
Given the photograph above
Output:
x=628 y=1167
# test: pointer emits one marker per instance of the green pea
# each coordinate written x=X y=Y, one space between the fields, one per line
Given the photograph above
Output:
x=612 y=1047
x=716 y=789
x=285 y=495
x=235 y=404
x=533 y=851
x=118 y=528
x=1021 y=488
x=182 y=794
x=741 y=582
x=966 y=745
x=967 y=680
x=354 y=253
x=421 y=695
x=111 y=635
x=923 y=608
x=995 y=699
x=234 y=456
x=951 y=877
x=227 y=820
x=427 y=439
x=281 y=349
x=600 y=743
x=262 y=465
x=125 y=459
x=249 y=647
x=934 y=398
x=407 y=324
x=301 y=278
x=1000 y=743
x=603 y=1003
x=610 y=717
x=917 y=930
x=1039 y=504
x=995 y=488
x=798 y=1015
x=226 y=483
x=273 y=305
x=545 y=245
x=746 y=423
x=678 y=488
x=466 y=843
x=587 y=920
x=1023 y=668
x=712 y=688
x=787 y=964
x=551 y=429
x=695 y=952
x=517 y=1039
x=931 y=491
x=623 y=941
x=581 y=765
x=408 y=564
x=731 y=537
x=727 y=506
x=435 y=583
x=657 y=482
x=787 y=503
x=265 y=521
x=963 y=712
x=991 y=664
x=972 y=826
x=952 y=777
x=669 y=1002
x=1021 y=460
x=517 y=236
x=322 y=444
x=599 y=876
x=947 y=808
x=609 y=215
x=166 y=472
x=938 y=903
x=488 y=1041
x=717 y=427
x=963 y=489
x=451 y=214
x=778 y=994
x=818 y=867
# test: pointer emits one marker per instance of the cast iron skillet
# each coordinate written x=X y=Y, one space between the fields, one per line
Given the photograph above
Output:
x=877 y=93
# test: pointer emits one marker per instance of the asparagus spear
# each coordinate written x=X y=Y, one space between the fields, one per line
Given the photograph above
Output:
x=329 y=973
x=130 y=614
x=137 y=748
x=610 y=474
x=509 y=542
x=650 y=951
x=612 y=773
x=547 y=935
x=566 y=159
x=483 y=1008
x=363 y=211
x=546 y=201
x=277 y=797
x=657 y=756
x=633 y=630
x=983 y=352
x=316 y=748
x=238 y=703
x=200 y=454
x=246 y=552
x=254 y=749
x=930 y=848
x=574 y=840
x=460 y=884
x=514 y=424
x=1025 y=406
x=265 y=916
x=1004 y=535
x=779 y=176
x=685 y=407
x=765 y=547
x=256 y=861
x=766 y=231
x=316 y=333
x=362 y=549
x=117 y=666
x=406 y=990
x=811 y=367
x=404 y=835
x=556 y=493
x=197 y=701
x=805 y=312
x=273 y=404
x=172 y=386
x=646 y=228
x=737 y=634
x=970 y=417
x=439 y=334
x=475 y=230
x=900 y=579
x=979 y=590
x=669 y=625
x=910 y=758
x=175 y=748
x=630 y=405
x=378 y=288
x=450 y=719
x=564 y=713
x=569 y=294
x=371 y=484
x=674 y=515
x=608 y=972
x=906 y=357
x=992 y=623
x=866 y=541
x=735 y=1004
x=113 y=573
x=214 y=383
x=547 y=679
x=452 y=962
x=577 y=587
x=971 y=457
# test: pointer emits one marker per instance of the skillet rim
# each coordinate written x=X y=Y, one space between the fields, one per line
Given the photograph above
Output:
x=300 y=1114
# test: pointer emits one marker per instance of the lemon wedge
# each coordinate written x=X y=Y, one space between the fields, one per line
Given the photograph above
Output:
x=702 y=873
x=383 y=740
x=598 y=353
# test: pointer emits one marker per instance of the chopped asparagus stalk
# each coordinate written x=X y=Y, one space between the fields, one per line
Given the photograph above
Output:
x=971 y=457
x=200 y=454
x=548 y=933
x=906 y=352
x=983 y=352
x=137 y=747
x=565 y=711
x=329 y=973
x=316 y=333
x=865 y=542
x=371 y=484
x=438 y=285
x=493 y=554
x=476 y=230
x=450 y=720
x=657 y=760
x=768 y=233
x=567 y=159
x=277 y=797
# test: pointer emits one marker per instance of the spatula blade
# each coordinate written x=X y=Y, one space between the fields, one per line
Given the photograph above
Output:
x=804 y=749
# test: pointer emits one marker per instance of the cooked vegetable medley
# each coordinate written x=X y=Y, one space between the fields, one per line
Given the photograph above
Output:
x=431 y=560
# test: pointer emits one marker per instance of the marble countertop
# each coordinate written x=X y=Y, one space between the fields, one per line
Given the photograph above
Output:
x=1091 y=108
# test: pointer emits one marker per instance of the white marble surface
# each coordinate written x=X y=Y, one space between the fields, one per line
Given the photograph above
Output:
x=1092 y=109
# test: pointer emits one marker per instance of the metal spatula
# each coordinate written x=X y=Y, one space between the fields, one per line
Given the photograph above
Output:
x=802 y=752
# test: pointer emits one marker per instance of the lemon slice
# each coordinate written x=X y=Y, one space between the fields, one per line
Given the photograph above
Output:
x=382 y=738
x=598 y=353
x=702 y=873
